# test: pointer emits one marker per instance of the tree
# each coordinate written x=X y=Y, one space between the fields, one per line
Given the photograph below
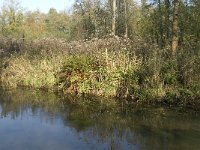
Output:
x=11 y=18
x=34 y=24
x=126 y=19
x=167 y=20
x=175 y=27
x=114 y=17
x=57 y=24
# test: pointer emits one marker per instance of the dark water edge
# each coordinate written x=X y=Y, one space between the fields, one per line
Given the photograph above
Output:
x=39 y=120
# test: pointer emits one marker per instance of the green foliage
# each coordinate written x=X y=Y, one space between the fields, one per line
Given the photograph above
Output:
x=171 y=96
x=78 y=64
x=57 y=24
x=11 y=19
x=91 y=75
x=169 y=74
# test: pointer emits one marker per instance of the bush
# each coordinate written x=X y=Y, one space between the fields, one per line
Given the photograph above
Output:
x=172 y=96
x=100 y=74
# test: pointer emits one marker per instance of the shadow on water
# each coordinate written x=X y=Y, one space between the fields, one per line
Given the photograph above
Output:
x=40 y=120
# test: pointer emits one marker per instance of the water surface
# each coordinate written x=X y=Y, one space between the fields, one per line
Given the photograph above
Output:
x=36 y=120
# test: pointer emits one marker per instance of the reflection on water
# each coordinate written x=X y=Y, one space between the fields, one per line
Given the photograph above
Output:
x=36 y=120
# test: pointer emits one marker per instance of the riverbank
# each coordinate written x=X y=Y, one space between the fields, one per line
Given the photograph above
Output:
x=113 y=67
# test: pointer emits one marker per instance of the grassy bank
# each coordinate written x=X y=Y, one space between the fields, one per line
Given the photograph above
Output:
x=116 y=67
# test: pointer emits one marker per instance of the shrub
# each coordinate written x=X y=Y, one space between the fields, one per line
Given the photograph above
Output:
x=100 y=74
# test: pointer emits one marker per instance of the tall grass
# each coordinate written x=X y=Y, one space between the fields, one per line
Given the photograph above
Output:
x=38 y=72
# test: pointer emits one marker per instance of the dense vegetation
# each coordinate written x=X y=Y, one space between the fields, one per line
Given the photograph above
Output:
x=140 y=52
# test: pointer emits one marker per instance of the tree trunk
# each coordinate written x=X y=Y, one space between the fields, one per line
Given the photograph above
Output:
x=114 y=17
x=126 y=19
x=161 y=41
x=167 y=19
x=175 y=27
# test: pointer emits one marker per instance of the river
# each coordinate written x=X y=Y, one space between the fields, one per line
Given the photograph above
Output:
x=38 y=120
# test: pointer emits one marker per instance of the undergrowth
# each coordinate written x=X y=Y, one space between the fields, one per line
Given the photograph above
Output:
x=113 y=67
